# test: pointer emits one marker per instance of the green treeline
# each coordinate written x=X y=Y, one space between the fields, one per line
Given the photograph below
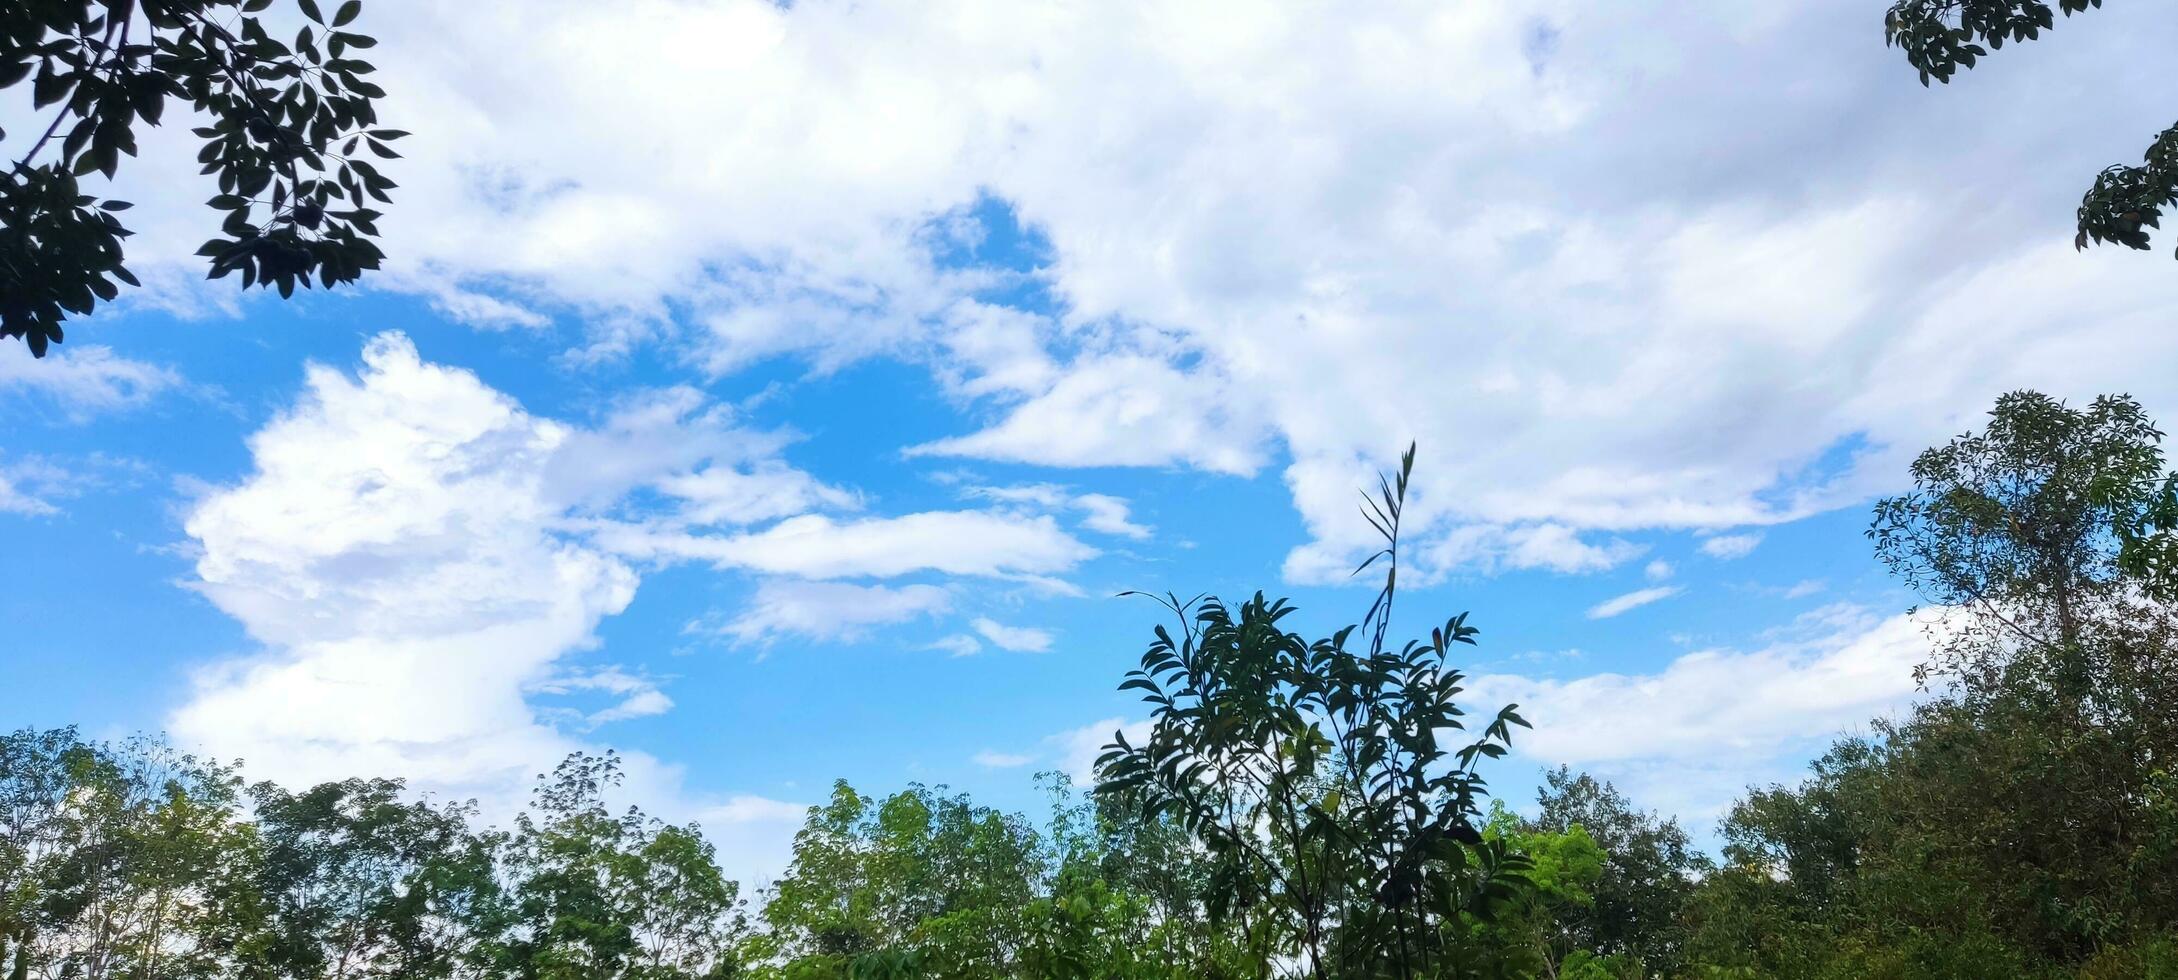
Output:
x=1301 y=807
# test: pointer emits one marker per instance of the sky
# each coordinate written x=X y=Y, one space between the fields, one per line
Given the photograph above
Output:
x=775 y=394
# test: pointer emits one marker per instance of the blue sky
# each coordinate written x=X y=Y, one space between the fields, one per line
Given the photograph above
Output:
x=802 y=423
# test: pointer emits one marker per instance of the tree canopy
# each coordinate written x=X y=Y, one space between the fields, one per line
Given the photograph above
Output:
x=288 y=128
x=1939 y=37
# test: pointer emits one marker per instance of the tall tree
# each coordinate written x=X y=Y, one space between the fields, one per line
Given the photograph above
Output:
x=1318 y=775
x=2019 y=821
x=356 y=881
x=1940 y=37
x=600 y=894
x=286 y=125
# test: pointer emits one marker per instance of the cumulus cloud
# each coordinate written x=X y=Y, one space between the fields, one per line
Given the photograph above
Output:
x=394 y=551
x=419 y=557
x=1026 y=639
x=1618 y=605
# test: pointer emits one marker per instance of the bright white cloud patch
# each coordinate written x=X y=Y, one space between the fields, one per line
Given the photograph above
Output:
x=394 y=551
x=1076 y=750
x=1598 y=298
x=1618 y=605
x=1025 y=639
x=1719 y=716
x=1001 y=760
x=820 y=547
x=959 y=645
x=418 y=555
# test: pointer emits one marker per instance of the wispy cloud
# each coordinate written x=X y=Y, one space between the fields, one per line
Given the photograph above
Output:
x=1618 y=605
x=1730 y=546
x=1026 y=639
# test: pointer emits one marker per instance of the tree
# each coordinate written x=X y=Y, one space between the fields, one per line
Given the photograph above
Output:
x=284 y=124
x=1342 y=826
x=112 y=857
x=355 y=881
x=599 y=894
x=1939 y=37
x=1650 y=866
x=2019 y=821
x=919 y=879
x=1535 y=936
x=2043 y=541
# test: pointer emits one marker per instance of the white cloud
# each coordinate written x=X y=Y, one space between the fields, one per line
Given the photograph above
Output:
x=1025 y=639
x=1109 y=515
x=16 y=501
x=411 y=552
x=1076 y=749
x=1730 y=546
x=1128 y=410
x=820 y=547
x=27 y=484
x=1600 y=301
x=1100 y=512
x=1657 y=570
x=393 y=550
x=80 y=382
x=635 y=696
x=1483 y=548
x=1002 y=760
x=827 y=611
x=1718 y=713
x=754 y=835
x=1618 y=605
x=958 y=644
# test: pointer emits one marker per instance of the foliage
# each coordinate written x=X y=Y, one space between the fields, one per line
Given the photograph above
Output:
x=1342 y=828
x=284 y=123
x=2017 y=822
x=354 y=881
x=919 y=878
x=1939 y=37
x=1650 y=868
x=111 y=859
x=600 y=894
